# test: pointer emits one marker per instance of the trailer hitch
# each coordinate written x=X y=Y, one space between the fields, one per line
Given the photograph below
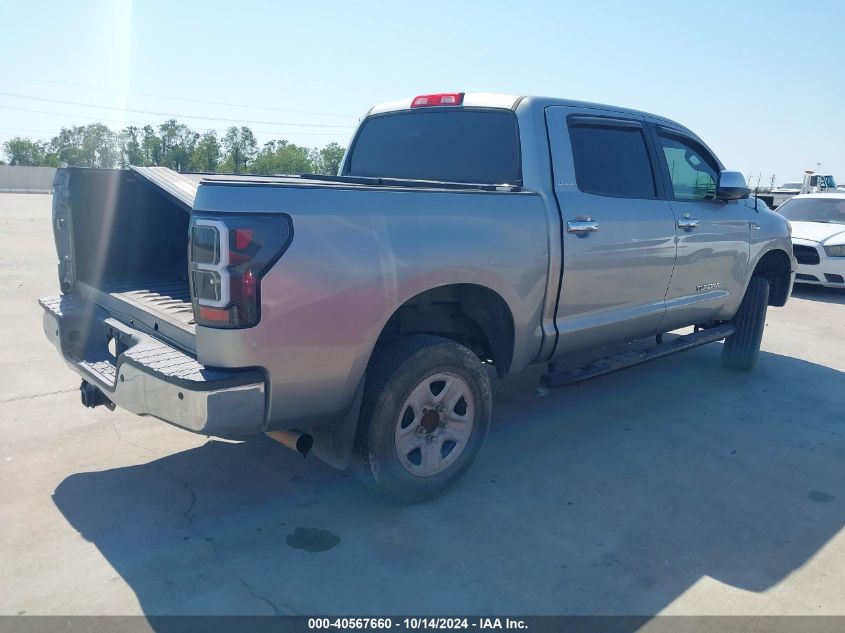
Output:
x=93 y=397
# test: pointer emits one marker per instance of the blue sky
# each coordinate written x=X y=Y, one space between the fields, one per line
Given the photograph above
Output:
x=762 y=83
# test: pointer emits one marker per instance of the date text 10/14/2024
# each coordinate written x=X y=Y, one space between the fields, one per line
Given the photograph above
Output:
x=416 y=623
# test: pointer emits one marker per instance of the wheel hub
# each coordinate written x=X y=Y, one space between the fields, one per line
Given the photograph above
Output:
x=434 y=424
x=430 y=421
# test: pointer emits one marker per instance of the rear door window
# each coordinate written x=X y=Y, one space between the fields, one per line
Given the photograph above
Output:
x=612 y=160
x=454 y=145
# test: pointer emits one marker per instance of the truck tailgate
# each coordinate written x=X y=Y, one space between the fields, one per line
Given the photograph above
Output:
x=182 y=188
x=122 y=238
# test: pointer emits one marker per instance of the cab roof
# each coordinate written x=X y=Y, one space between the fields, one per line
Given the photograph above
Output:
x=523 y=103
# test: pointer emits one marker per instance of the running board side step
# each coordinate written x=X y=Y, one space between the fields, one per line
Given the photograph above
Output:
x=637 y=356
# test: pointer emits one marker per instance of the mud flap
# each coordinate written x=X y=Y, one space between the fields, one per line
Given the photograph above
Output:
x=333 y=443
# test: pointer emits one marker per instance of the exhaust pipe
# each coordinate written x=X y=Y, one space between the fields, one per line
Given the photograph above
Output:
x=93 y=397
x=294 y=440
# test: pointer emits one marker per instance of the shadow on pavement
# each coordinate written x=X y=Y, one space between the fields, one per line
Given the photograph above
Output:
x=612 y=497
x=819 y=293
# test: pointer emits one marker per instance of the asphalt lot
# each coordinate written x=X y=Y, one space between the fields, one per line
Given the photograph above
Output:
x=676 y=487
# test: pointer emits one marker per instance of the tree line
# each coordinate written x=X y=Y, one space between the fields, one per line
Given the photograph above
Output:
x=174 y=145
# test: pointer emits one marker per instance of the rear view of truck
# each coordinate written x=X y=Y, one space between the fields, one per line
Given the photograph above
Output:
x=231 y=305
x=126 y=319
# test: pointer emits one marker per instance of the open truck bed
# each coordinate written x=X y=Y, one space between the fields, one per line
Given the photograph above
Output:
x=159 y=304
x=168 y=299
x=127 y=247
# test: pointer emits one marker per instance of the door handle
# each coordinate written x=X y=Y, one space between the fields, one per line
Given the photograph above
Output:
x=581 y=227
x=688 y=223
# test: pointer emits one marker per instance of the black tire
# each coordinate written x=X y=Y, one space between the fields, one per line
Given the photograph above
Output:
x=392 y=376
x=741 y=349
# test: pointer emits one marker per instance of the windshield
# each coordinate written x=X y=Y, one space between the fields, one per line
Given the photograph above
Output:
x=824 y=182
x=830 y=210
x=455 y=145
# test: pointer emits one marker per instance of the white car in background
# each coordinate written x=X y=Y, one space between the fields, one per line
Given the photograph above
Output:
x=818 y=237
x=789 y=187
x=783 y=193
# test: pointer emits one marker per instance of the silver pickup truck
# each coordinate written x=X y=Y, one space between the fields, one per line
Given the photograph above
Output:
x=361 y=315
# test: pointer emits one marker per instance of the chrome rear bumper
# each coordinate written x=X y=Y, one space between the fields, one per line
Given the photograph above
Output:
x=149 y=377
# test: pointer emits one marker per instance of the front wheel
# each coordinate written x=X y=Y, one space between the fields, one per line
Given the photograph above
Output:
x=741 y=349
x=425 y=413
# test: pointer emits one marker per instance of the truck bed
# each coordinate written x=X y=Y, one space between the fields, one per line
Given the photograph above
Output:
x=126 y=250
x=169 y=300
x=160 y=307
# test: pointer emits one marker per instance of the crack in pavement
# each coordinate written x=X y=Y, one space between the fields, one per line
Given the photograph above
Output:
x=189 y=519
x=120 y=438
x=816 y=428
x=39 y=395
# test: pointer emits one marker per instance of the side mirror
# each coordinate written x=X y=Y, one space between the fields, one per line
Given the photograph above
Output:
x=731 y=186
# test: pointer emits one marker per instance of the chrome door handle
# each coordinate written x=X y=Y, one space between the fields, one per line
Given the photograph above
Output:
x=582 y=227
x=688 y=223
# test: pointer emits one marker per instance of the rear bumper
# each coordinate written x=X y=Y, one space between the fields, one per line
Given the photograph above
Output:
x=149 y=377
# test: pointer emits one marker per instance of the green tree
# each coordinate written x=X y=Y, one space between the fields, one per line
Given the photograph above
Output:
x=281 y=157
x=151 y=148
x=328 y=159
x=241 y=147
x=67 y=146
x=99 y=146
x=130 y=147
x=24 y=151
x=93 y=145
x=206 y=154
x=173 y=145
x=51 y=159
x=177 y=144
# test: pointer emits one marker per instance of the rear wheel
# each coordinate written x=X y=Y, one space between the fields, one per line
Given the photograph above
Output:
x=426 y=411
x=741 y=349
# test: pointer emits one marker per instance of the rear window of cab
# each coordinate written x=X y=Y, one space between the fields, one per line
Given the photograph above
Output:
x=444 y=144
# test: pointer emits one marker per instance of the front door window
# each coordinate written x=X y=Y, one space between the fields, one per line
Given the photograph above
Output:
x=694 y=174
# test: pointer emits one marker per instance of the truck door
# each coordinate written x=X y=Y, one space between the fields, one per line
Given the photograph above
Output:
x=713 y=236
x=618 y=234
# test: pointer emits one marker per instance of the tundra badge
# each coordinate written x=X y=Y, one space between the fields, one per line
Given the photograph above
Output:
x=704 y=287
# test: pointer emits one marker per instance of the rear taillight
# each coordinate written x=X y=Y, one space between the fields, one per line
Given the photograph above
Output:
x=440 y=99
x=229 y=254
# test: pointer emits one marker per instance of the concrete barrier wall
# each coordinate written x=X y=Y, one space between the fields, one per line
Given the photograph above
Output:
x=26 y=179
